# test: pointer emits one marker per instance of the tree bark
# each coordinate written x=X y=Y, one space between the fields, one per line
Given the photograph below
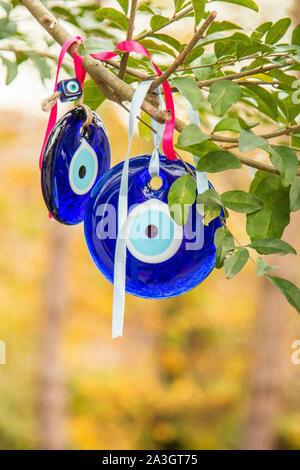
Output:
x=50 y=390
x=266 y=373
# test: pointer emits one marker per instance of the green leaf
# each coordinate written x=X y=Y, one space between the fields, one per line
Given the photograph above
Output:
x=285 y=160
x=124 y=5
x=240 y=201
x=203 y=73
x=157 y=21
x=278 y=30
x=222 y=95
x=199 y=9
x=144 y=131
x=210 y=215
x=95 y=45
x=272 y=246
x=158 y=48
x=188 y=87
x=167 y=39
x=7 y=28
x=261 y=30
x=272 y=219
x=295 y=195
x=218 y=26
x=200 y=150
x=249 y=141
x=296 y=36
x=41 y=64
x=235 y=263
x=179 y=5
x=223 y=242
x=210 y=198
x=92 y=96
x=265 y=100
x=263 y=267
x=181 y=196
x=191 y=135
x=6 y=7
x=114 y=16
x=220 y=160
x=233 y=125
x=244 y=3
x=12 y=70
x=224 y=48
x=289 y=290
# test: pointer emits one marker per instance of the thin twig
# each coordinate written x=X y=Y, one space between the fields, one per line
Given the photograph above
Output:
x=180 y=15
x=247 y=73
x=124 y=60
x=185 y=52
x=117 y=90
x=46 y=54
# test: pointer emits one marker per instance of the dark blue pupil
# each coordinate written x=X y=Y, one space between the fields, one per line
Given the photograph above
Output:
x=82 y=171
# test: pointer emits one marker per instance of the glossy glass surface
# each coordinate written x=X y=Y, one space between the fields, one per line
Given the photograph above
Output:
x=70 y=89
x=72 y=164
x=158 y=265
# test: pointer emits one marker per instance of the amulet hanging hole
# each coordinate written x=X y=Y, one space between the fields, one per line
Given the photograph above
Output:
x=155 y=183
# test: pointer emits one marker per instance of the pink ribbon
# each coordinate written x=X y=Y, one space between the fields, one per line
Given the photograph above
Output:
x=133 y=46
x=124 y=46
x=80 y=75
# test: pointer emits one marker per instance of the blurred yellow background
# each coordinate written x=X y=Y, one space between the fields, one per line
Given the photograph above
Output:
x=208 y=370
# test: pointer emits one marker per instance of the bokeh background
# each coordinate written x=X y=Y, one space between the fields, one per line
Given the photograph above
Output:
x=209 y=370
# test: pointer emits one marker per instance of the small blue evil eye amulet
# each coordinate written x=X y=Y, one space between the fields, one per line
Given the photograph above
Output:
x=70 y=90
x=74 y=159
x=163 y=258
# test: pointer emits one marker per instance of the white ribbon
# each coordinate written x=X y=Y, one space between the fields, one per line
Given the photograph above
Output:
x=157 y=138
x=201 y=177
x=120 y=253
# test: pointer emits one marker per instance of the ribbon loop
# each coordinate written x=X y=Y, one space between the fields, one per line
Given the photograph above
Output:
x=157 y=135
x=80 y=75
x=133 y=46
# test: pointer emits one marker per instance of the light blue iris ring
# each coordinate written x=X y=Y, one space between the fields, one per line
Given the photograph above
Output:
x=83 y=169
x=72 y=87
x=152 y=236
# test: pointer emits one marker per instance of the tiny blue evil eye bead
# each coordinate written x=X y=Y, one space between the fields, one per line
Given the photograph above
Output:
x=70 y=89
x=74 y=160
x=163 y=258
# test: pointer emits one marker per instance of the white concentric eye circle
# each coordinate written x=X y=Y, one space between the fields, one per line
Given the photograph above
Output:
x=83 y=169
x=152 y=235
x=72 y=86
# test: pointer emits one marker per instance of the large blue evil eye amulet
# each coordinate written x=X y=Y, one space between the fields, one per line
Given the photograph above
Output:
x=163 y=259
x=74 y=159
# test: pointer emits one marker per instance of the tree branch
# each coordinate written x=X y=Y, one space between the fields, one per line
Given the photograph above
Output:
x=111 y=86
x=185 y=52
x=117 y=90
x=124 y=60
x=180 y=15
x=271 y=135
x=247 y=73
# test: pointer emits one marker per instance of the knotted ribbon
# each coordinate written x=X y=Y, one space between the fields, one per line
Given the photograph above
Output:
x=133 y=46
x=80 y=75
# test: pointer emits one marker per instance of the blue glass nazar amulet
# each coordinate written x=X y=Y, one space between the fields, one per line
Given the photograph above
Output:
x=74 y=160
x=163 y=259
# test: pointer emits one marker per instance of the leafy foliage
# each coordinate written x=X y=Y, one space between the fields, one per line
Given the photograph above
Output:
x=236 y=79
